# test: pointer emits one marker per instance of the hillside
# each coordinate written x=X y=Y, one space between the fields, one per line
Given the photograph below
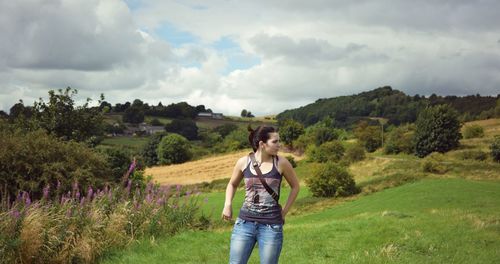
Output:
x=387 y=103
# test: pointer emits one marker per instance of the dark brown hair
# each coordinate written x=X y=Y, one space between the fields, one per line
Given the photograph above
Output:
x=261 y=133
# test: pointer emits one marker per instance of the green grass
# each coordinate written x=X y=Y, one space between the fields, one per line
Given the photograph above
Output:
x=134 y=144
x=429 y=221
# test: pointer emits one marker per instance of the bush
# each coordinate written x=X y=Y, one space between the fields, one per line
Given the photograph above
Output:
x=355 y=153
x=118 y=159
x=184 y=127
x=290 y=130
x=174 y=148
x=224 y=130
x=149 y=152
x=30 y=161
x=328 y=151
x=473 y=131
x=236 y=140
x=369 y=136
x=399 y=140
x=473 y=155
x=495 y=149
x=437 y=130
x=331 y=180
x=434 y=163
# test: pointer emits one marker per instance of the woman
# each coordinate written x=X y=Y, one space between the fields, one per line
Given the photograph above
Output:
x=261 y=217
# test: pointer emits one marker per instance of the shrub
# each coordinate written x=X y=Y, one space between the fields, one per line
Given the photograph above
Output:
x=434 y=163
x=369 y=136
x=495 y=149
x=290 y=130
x=173 y=148
x=30 y=161
x=328 y=151
x=118 y=160
x=236 y=140
x=355 y=153
x=400 y=139
x=225 y=129
x=437 y=130
x=473 y=131
x=331 y=180
x=149 y=152
x=473 y=155
x=184 y=127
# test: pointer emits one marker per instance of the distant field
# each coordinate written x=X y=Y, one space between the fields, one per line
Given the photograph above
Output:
x=205 y=170
x=132 y=143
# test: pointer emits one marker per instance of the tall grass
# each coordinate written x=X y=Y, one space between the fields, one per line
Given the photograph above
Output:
x=77 y=227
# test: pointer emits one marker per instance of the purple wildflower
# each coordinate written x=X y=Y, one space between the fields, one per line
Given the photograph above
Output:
x=178 y=187
x=132 y=166
x=148 y=198
x=78 y=195
x=90 y=192
x=46 y=190
x=15 y=213
x=82 y=201
x=160 y=202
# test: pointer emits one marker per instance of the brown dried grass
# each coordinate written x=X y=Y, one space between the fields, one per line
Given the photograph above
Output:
x=204 y=170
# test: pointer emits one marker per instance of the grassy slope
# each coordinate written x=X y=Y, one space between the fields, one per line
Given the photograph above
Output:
x=430 y=221
x=451 y=218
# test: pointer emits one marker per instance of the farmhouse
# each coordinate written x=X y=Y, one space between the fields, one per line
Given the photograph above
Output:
x=210 y=115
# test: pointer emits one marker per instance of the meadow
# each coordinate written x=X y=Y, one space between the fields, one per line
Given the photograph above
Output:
x=402 y=215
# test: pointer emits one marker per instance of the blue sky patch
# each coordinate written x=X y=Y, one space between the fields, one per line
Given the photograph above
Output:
x=174 y=36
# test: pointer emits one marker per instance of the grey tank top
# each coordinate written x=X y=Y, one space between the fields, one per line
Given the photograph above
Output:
x=259 y=205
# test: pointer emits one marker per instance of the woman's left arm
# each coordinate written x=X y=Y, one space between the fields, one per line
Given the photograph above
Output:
x=291 y=178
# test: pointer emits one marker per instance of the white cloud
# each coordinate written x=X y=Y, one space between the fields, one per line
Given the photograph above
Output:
x=306 y=49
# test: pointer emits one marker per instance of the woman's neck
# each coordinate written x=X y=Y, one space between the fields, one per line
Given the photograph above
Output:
x=262 y=156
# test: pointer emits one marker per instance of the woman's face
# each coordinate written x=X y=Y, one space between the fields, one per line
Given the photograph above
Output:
x=272 y=145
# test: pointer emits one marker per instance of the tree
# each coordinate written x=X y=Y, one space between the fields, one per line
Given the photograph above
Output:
x=495 y=149
x=290 y=130
x=61 y=118
x=243 y=113
x=369 y=136
x=185 y=127
x=437 y=130
x=134 y=115
x=173 y=148
x=331 y=180
x=149 y=152
x=225 y=129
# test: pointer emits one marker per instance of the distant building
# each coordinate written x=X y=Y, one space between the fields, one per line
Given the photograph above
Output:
x=210 y=115
x=143 y=129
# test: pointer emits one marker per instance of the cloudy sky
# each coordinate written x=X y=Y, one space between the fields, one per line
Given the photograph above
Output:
x=264 y=56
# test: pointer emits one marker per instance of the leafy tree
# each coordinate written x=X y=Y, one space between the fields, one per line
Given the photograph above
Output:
x=149 y=153
x=225 y=129
x=156 y=122
x=437 y=130
x=331 y=180
x=290 y=130
x=119 y=160
x=173 y=148
x=244 y=113
x=369 y=136
x=328 y=151
x=134 y=115
x=237 y=139
x=185 y=127
x=355 y=153
x=399 y=139
x=61 y=118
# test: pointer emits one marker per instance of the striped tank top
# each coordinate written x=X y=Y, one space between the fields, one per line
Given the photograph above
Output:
x=259 y=205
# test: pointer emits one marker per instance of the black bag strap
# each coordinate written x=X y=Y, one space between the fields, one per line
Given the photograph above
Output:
x=261 y=178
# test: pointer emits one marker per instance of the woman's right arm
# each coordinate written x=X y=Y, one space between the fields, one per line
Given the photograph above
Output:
x=227 y=212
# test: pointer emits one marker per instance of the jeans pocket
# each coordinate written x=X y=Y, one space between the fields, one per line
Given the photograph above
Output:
x=238 y=221
x=276 y=227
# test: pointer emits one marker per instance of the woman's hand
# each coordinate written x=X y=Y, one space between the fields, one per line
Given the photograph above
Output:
x=227 y=213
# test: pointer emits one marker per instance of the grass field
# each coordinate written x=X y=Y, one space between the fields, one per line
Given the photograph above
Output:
x=430 y=221
x=402 y=215
x=135 y=144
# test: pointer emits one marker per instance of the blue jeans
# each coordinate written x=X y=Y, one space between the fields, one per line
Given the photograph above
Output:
x=246 y=234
